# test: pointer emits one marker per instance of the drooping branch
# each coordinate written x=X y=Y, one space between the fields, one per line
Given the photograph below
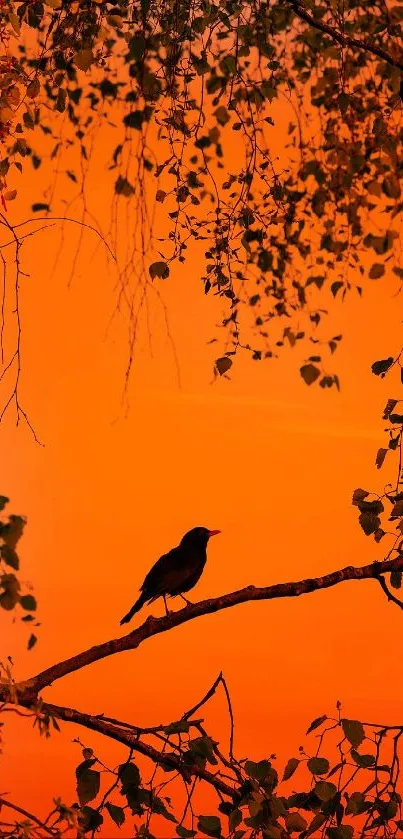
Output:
x=129 y=738
x=154 y=626
x=344 y=40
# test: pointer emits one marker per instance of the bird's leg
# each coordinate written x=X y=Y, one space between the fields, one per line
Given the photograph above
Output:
x=167 y=612
x=188 y=602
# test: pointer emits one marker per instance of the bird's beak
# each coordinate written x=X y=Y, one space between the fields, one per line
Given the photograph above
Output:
x=213 y=533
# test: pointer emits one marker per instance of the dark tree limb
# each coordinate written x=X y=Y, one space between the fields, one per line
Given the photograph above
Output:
x=389 y=595
x=154 y=626
x=344 y=40
x=50 y=830
x=122 y=735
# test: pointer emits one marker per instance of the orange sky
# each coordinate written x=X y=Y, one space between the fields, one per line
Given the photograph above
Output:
x=263 y=458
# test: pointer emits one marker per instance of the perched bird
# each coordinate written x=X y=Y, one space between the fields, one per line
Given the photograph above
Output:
x=175 y=572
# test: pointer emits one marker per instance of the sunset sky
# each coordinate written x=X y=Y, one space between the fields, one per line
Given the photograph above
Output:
x=262 y=457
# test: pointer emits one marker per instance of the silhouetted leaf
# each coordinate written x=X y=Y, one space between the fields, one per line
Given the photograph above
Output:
x=295 y=823
x=319 y=720
x=210 y=826
x=369 y=522
x=344 y=831
x=123 y=187
x=379 y=368
x=389 y=407
x=380 y=457
x=362 y=760
x=88 y=781
x=396 y=579
x=10 y=556
x=92 y=820
x=31 y=641
x=356 y=804
x=223 y=365
x=117 y=814
x=377 y=270
x=316 y=823
x=83 y=59
x=353 y=731
x=325 y=790
x=309 y=373
x=318 y=765
x=129 y=775
x=159 y=269
x=359 y=495
x=290 y=768
x=28 y=602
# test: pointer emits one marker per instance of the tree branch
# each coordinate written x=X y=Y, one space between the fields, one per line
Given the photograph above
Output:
x=389 y=595
x=154 y=626
x=50 y=830
x=342 y=39
x=128 y=738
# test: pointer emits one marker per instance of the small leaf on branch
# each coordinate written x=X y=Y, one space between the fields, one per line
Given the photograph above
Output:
x=39 y=207
x=396 y=579
x=159 y=269
x=380 y=457
x=389 y=407
x=92 y=820
x=377 y=270
x=223 y=364
x=319 y=720
x=116 y=813
x=316 y=823
x=309 y=373
x=129 y=776
x=295 y=823
x=10 y=557
x=369 y=522
x=344 y=831
x=31 y=641
x=290 y=768
x=318 y=765
x=359 y=495
x=353 y=731
x=397 y=509
x=379 y=368
x=83 y=59
x=365 y=761
x=28 y=602
x=88 y=781
x=210 y=826
x=325 y=790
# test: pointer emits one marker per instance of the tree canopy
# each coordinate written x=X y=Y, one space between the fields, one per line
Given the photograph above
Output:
x=263 y=137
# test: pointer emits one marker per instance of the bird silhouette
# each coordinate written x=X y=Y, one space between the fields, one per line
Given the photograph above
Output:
x=176 y=572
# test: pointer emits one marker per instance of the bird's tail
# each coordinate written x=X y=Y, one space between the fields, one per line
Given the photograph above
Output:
x=135 y=608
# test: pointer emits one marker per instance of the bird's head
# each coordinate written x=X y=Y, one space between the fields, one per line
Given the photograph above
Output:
x=198 y=536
